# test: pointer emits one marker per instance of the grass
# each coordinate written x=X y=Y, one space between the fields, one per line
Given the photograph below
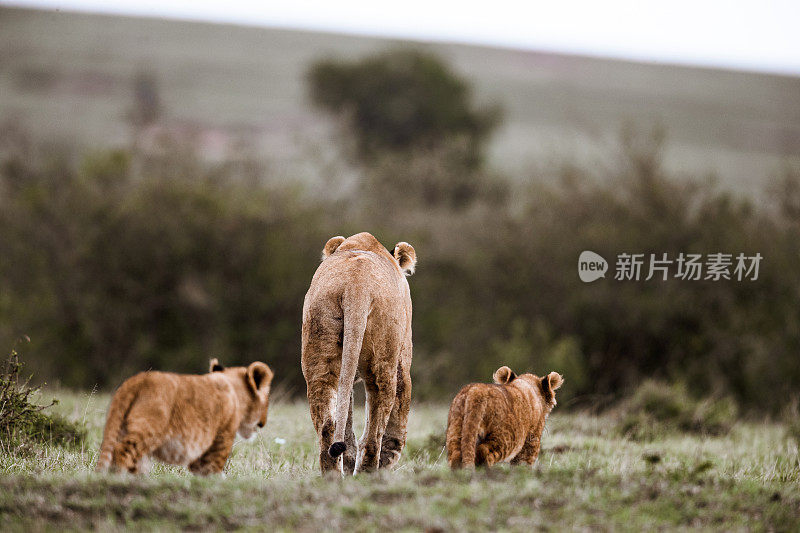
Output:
x=588 y=476
x=658 y=408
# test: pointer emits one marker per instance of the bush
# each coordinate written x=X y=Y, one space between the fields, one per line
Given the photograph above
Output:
x=657 y=408
x=118 y=271
x=23 y=422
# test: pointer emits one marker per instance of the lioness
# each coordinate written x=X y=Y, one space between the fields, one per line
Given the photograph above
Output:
x=184 y=419
x=357 y=323
x=504 y=421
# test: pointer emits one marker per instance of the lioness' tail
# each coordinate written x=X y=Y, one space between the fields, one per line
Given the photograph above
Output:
x=355 y=308
x=117 y=411
x=473 y=416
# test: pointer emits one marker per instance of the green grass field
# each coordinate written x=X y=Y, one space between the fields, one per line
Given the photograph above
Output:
x=587 y=477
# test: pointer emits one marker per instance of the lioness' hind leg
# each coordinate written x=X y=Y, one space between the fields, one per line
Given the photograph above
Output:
x=380 y=401
x=321 y=398
x=144 y=430
x=349 y=457
x=214 y=459
x=455 y=421
x=394 y=438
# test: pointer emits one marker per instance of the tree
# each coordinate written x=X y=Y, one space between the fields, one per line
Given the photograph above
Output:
x=403 y=101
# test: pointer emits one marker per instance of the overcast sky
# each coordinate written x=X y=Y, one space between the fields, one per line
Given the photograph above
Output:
x=741 y=34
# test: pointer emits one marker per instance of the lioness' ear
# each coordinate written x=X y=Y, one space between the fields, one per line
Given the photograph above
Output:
x=406 y=257
x=214 y=366
x=259 y=376
x=331 y=246
x=550 y=383
x=504 y=375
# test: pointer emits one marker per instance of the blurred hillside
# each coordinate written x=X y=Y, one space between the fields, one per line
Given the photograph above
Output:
x=71 y=78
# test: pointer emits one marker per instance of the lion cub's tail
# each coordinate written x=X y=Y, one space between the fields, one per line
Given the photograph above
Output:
x=355 y=308
x=117 y=411
x=474 y=410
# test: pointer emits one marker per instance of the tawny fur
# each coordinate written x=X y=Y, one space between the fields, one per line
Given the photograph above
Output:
x=181 y=419
x=357 y=324
x=501 y=422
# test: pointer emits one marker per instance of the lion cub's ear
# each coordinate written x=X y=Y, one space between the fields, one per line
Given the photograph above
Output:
x=504 y=375
x=550 y=383
x=259 y=376
x=331 y=246
x=406 y=257
x=214 y=366
x=554 y=380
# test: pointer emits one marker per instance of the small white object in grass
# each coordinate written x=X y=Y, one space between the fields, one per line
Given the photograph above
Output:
x=279 y=440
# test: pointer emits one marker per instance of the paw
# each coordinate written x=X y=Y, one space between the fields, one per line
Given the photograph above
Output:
x=369 y=459
x=389 y=458
x=390 y=452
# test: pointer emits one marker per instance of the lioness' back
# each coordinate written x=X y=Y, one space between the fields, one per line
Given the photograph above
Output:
x=359 y=261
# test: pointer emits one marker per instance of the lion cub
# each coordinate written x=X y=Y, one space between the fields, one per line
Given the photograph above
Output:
x=184 y=419
x=488 y=424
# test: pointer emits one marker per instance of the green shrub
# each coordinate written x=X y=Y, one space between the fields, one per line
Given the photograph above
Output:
x=657 y=408
x=23 y=422
x=127 y=271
